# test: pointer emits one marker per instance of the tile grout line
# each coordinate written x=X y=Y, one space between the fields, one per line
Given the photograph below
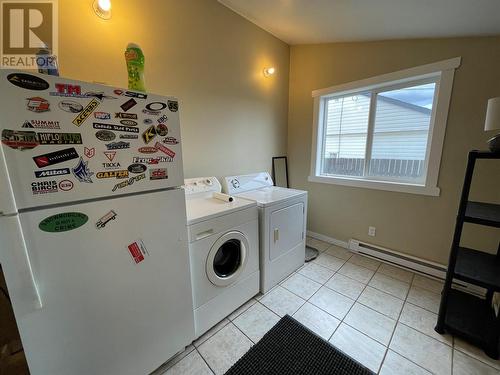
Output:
x=204 y=360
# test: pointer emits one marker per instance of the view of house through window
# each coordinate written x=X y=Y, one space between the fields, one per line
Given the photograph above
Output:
x=379 y=134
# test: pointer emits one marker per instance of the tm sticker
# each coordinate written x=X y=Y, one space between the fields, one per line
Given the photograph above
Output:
x=137 y=251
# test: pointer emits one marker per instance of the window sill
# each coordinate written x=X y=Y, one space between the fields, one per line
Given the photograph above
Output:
x=378 y=185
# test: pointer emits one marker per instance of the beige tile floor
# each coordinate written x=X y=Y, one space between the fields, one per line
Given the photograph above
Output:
x=378 y=314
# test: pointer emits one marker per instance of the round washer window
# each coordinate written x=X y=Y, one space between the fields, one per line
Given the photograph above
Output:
x=226 y=259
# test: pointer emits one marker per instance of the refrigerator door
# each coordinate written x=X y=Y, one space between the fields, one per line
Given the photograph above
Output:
x=114 y=281
x=66 y=141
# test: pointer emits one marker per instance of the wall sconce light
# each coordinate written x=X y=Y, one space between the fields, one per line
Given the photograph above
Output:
x=102 y=8
x=269 y=71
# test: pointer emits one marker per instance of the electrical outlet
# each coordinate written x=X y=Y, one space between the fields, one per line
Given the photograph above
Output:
x=371 y=231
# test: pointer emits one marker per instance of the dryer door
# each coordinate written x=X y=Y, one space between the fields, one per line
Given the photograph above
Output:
x=226 y=259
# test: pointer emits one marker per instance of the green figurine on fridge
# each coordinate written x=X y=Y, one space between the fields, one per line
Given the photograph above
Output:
x=135 y=67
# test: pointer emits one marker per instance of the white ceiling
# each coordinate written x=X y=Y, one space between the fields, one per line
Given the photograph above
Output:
x=321 y=21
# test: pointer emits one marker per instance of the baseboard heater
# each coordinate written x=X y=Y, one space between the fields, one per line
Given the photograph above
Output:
x=412 y=263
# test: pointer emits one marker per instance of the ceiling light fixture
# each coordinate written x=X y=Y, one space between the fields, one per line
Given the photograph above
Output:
x=269 y=71
x=102 y=8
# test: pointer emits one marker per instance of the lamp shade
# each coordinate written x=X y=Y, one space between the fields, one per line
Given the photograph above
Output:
x=492 y=115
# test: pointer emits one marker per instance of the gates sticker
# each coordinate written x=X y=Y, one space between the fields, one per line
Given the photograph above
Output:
x=60 y=138
x=28 y=81
x=165 y=149
x=63 y=222
x=118 y=128
x=130 y=116
x=37 y=104
x=158 y=174
x=128 y=104
x=52 y=173
x=105 y=135
x=112 y=174
x=19 y=140
x=149 y=134
x=44 y=187
x=137 y=251
x=41 y=124
x=82 y=171
x=70 y=106
x=94 y=103
x=56 y=157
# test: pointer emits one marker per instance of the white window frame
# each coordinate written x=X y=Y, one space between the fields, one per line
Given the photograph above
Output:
x=443 y=72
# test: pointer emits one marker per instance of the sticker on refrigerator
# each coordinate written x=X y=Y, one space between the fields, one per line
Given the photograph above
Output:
x=60 y=138
x=19 y=140
x=27 y=81
x=67 y=90
x=65 y=185
x=161 y=130
x=41 y=124
x=102 y=115
x=129 y=136
x=118 y=145
x=165 y=149
x=158 y=174
x=131 y=94
x=128 y=122
x=162 y=119
x=56 y=157
x=153 y=160
x=128 y=104
x=101 y=223
x=43 y=187
x=37 y=104
x=129 y=116
x=119 y=128
x=149 y=134
x=82 y=171
x=87 y=111
x=110 y=155
x=137 y=251
x=63 y=222
x=173 y=106
x=52 y=173
x=105 y=135
x=137 y=168
x=170 y=141
x=129 y=182
x=147 y=150
x=89 y=152
x=118 y=174
x=70 y=106
x=99 y=95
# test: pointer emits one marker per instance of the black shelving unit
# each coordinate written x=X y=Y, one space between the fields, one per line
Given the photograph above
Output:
x=463 y=314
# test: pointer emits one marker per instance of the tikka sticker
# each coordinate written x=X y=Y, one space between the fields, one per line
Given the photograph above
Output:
x=63 y=222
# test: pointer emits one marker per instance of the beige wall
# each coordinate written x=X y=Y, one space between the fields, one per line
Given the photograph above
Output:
x=233 y=120
x=415 y=224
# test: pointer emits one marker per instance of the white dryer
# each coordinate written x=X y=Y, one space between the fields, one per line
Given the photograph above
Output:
x=223 y=251
x=282 y=224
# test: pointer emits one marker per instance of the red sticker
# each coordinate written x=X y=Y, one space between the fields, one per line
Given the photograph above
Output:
x=138 y=251
x=164 y=149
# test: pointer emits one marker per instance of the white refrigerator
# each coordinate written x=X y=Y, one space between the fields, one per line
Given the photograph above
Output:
x=93 y=239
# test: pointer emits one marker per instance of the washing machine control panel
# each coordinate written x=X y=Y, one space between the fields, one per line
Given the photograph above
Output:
x=201 y=185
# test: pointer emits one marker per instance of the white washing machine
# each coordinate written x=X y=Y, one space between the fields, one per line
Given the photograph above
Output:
x=282 y=224
x=223 y=251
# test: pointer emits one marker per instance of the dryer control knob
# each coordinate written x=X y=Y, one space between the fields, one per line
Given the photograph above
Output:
x=235 y=183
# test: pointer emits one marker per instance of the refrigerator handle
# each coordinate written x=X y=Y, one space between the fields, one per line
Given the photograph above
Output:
x=17 y=268
x=7 y=205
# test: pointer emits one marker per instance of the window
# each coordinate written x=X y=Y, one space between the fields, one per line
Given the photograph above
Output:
x=385 y=132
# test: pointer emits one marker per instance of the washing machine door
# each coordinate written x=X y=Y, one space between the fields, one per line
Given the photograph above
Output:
x=227 y=257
